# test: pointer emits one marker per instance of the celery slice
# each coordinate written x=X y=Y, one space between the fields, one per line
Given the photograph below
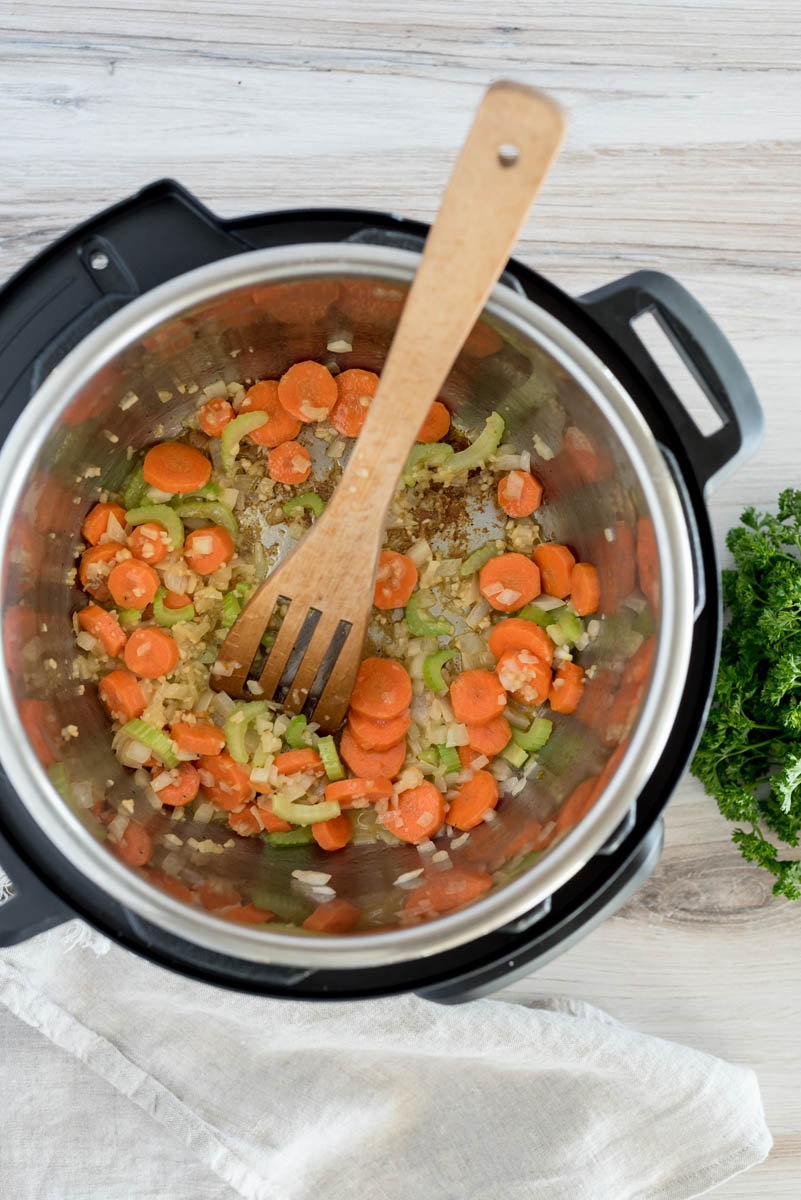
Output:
x=129 y=616
x=237 y=725
x=211 y=512
x=328 y=753
x=429 y=454
x=304 y=814
x=305 y=500
x=429 y=755
x=421 y=625
x=231 y=608
x=432 y=670
x=291 y=837
x=135 y=488
x=449 y=759
x=541 y=616
x=162 y=514
x=534 y=738
x=294 y=733
x=475 y=561
x=478 y=451
x=234 y=432
x=170 y=616
x=155 y=739
x=514 y=754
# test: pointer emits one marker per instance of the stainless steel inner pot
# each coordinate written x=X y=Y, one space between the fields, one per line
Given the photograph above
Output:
x=134 y=380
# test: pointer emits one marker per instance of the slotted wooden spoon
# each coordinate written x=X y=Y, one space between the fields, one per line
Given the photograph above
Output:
x=327 y=581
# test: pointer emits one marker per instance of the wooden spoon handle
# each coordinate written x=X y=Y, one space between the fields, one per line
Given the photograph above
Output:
x=514 y=138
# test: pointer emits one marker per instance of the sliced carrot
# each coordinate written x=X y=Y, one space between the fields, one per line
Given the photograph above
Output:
x=175 y=467
x=291 y=762
x=122 y=696
x=525 y=675
x=468 y=756
x=289 y=463
x=307 y=391
x=245 y=823
x=269 y=820
x=280 y=426
x=445 y=891
x=247 y=914
x=567 y=687
x=436 y=424
x=42 y=726
x=577 y=805
x=230 y=784
x=199 y=738
x=355 y=390
x=514 y=633
x=132 y=584
x=372 y=764
x=172 y=886
x=477 y=696
x=208 y=549
x=556 y=564
x=648 y=561
x=638 y=667
x=419 y=814
x=378 y=735
x=491 y=737
x=214 y=416
x=135 y=847
x=395 y=580
x=335 y=916
x=217 y=894
x=348 y=792
x=519 y=494
x=177 y=600
x=147 y=542
x=104 y=626
x=183 y=790
x=474 y=798
x=622 y=713
x=509 y=582
x=95 y=523
x=151 y=653
x=584 y=590
x=95 y=566
x=383 y=689
x=332 y=834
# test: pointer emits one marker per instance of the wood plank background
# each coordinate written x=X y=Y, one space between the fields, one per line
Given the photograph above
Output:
x=683 y=156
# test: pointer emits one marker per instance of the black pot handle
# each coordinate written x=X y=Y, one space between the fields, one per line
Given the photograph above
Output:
x=707 y=354
x=31 y=908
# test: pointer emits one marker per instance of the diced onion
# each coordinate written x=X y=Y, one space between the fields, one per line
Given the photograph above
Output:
x=478 y=612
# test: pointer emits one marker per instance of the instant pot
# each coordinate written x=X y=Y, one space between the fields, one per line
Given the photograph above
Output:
x=105 y=340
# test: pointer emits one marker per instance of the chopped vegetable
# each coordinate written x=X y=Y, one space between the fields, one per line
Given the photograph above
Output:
x=306 y=500
x=436 y=424
x=170 y=616
x=295 y=733
x=449 y=759
x=477 y=696
x=307 y=391
x=173 y=467
x=208 y=549
x=163 y=515
x=292 y=837
x=419 y=814
x=279 y=426
x=509 y=582
x=135 y=488
x=421 y=626
x=556 y=565
x=475 y=561
x=233 y=433
x=289 y=463
x=395 y=580
x=151 y=652
x=212 y=511
x=96 y=521
x=304 y=814
x=515 y=754
x=421 y=456
x=480 y=450
x=542 y=616
x=231 y=608
x=534 y=738
x=155 y=739
x=237 y=725
x=327 y=750
x=432 y=670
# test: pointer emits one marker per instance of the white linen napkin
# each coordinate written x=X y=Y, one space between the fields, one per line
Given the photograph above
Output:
x=392 y=1098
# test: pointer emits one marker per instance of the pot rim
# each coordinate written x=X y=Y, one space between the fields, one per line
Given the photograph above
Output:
x=60 y=826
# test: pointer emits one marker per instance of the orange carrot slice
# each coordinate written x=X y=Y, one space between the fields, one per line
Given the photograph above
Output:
x=307 y=391
x=446 y=891
x=509 y=582
x=214 y=416
x=519 y=494
x=104 y=626
x=419 y=814
x=208 y=549
x=122 y=696
x=378 y=735
x=292 y=762
x=230 y=784
x=280 y=426
x=216 y=894
x=247 y=914
x=584 y=590
x=372 y=764
x=335 y=916
x=474 y=798
x=132 y=584
x=525 y=675
x=348 y=792
x=355 y=390
x=95 y=523
x=491 y=737
x=436 y=424
x=395 y=580
x=477 y=696
x=289 y=463
x=556 y=565
x=383 y=689
x=332 y=834
x=151 y=653
x=147 y=543
x=135 y=847
x=199 y=738
x=648 y=561
x=517 y=634
x=95 y=566
x=567 y=687
x=175 y=467
x=183 y=790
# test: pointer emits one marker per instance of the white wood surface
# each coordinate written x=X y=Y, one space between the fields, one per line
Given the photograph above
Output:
x=683 y=156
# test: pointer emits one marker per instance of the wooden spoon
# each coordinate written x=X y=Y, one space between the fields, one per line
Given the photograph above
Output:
x=327 y=581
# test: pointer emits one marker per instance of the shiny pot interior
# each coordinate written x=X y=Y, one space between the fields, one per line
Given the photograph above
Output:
x=608 y=495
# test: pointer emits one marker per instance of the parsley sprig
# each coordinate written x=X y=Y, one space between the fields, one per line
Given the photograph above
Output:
x=749 y=757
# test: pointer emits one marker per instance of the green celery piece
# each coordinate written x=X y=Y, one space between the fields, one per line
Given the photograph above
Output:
x=534 y=738
x=328 y=753
x=231 y=608
x=540 y=616
x=449 y=759
x=432 y=670
x=475 y=560
x=429 y=755
x=294 y=732
x=170 y=616
x=129 y=616
x=162 y=514
x=233 y=433
x=155 y=739
x=237 y=725
x=422 y=626
x=305 y=814
x=514 y=754
x=429 y=454
x=305 y=500
x=213 y=512
x=285 y=905
x=479 y=451
x=291 y=837
x=566 y=629
x=209 y=491
x=135 y=488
